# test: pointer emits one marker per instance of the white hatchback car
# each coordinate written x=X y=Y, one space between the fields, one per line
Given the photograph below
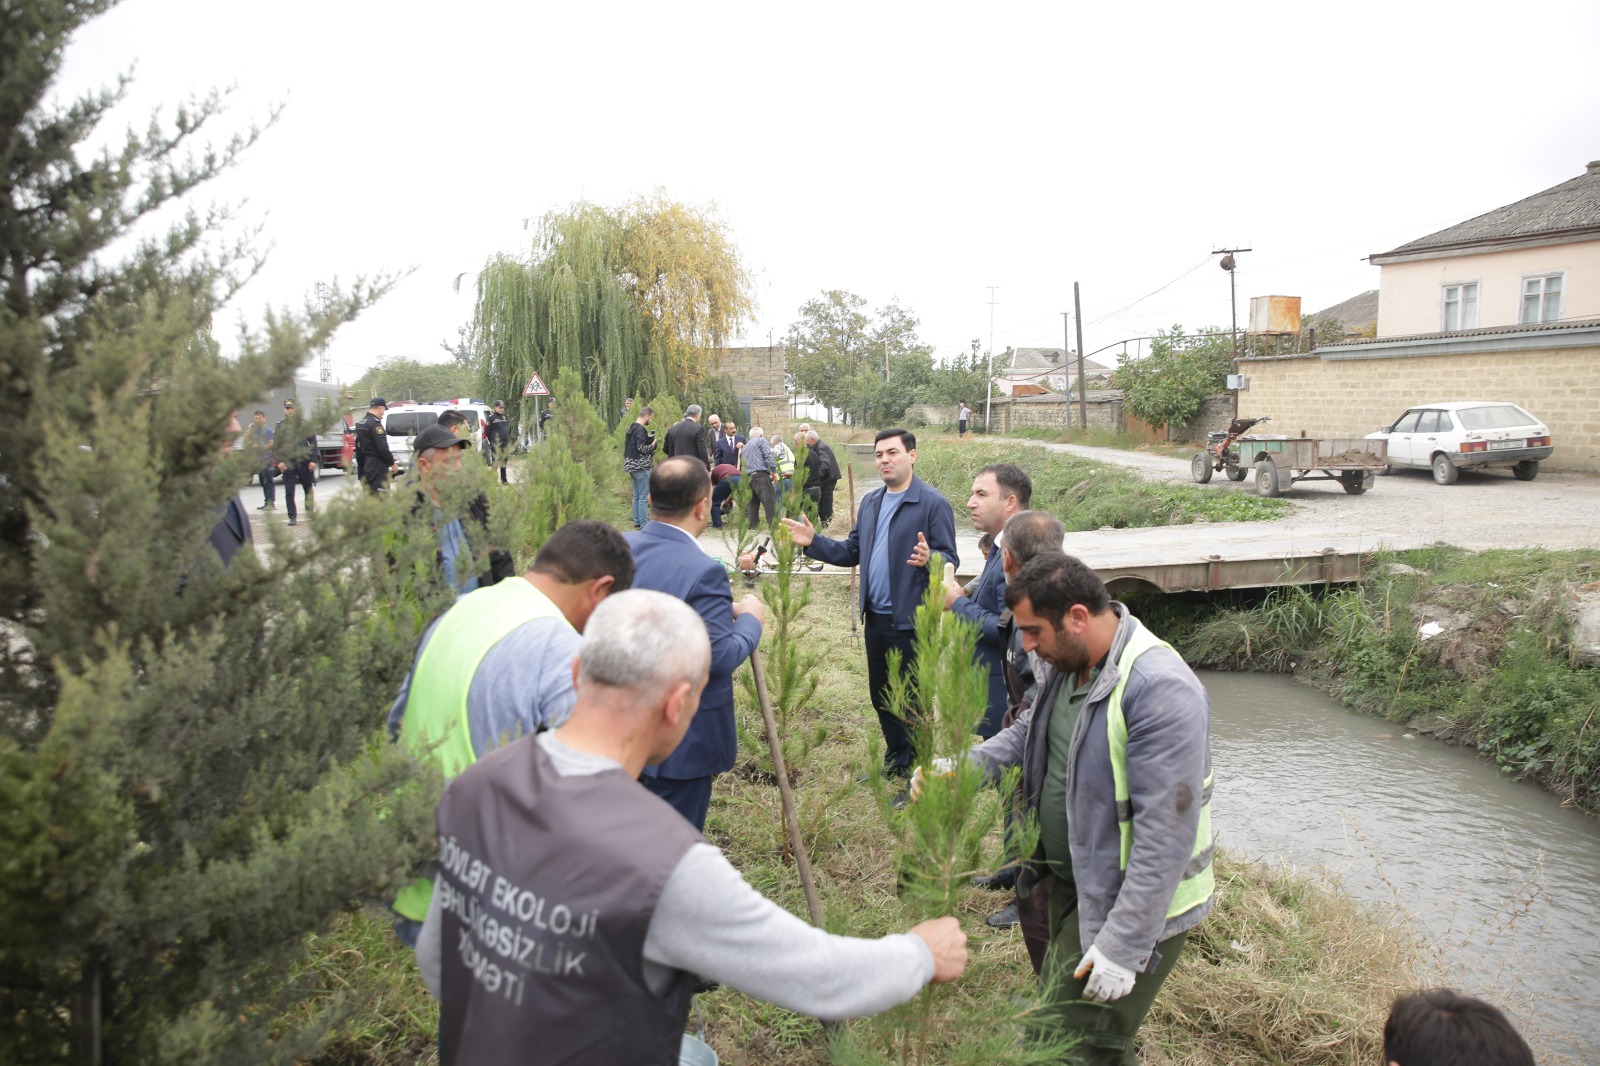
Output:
x=1444 y=437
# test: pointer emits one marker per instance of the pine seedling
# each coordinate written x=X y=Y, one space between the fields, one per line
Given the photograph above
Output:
x=791 y=668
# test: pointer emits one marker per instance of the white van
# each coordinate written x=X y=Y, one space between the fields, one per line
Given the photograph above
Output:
x=404 y=420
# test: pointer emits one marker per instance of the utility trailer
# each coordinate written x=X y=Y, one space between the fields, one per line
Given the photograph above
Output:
x=1281 y=461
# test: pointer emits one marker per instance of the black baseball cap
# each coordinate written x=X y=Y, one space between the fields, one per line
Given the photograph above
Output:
x=437 y=436
x=377 y=401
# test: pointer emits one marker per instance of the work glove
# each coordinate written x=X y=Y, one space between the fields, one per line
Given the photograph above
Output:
x=943 y=766
x=1108 y=980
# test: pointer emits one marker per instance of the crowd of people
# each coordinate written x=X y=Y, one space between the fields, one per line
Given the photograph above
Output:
x=581 y=712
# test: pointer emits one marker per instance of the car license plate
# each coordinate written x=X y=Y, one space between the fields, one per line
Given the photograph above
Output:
x=1504 y=445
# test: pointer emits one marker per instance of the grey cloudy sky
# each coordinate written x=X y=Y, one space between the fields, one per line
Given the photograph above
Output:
x=916 y=152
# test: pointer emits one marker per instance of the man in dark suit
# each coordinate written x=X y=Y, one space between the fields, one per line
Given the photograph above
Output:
x=687 y=438
x=898 y=527
x=998 y=492
x=668 y=558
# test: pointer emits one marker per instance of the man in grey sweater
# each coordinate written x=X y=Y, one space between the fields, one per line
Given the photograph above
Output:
x=575 y=911
x=1116 y=762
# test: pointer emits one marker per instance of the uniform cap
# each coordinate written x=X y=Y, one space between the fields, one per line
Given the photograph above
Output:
x=288 y=405
x=378 y=401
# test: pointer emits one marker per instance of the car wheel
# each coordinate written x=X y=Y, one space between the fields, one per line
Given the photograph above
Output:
x=1526 y=470
x=1200 y=468
x=1267 y=479
x=1444 y=471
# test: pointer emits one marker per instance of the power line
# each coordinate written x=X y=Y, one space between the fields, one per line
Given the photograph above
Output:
x=1147 y=295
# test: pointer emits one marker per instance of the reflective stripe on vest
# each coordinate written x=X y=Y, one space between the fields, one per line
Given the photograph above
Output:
x=1198 y=880
x=435 y=724
x=785 y=460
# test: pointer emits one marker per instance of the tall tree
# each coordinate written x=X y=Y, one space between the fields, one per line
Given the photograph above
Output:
x=400 y=378
x=187 y=762
x=872 y=366
x=1167 y=387
x=632 y=299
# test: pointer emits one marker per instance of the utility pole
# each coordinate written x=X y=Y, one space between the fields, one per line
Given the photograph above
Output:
x=988 y=392
x=1083 y=388
x=1228 y=263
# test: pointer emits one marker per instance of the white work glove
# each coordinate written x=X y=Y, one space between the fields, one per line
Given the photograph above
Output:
x=1108 y=980
x=943 y=766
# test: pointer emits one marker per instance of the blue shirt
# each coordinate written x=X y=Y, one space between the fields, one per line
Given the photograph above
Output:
x=453 y=549
x=877 y=575
x=758 y=457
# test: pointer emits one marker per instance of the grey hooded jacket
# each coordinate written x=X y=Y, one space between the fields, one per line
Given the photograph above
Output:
x=1122 y=912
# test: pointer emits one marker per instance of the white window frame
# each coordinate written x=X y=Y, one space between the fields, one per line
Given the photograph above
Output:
x=1444 y=303
x=1544 y=295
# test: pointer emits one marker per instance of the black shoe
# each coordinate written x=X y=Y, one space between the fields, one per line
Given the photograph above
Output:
x=901 y=798
x=291 y=520
x=1004 y=881
x=263 y=507
x=1005 y=917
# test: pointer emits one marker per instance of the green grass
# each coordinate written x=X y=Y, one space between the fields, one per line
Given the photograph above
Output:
x=1086 y=494
x=1502 y=678
x=1311 y=990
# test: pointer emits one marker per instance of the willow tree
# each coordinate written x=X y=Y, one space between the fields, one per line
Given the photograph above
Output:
x=636 y=300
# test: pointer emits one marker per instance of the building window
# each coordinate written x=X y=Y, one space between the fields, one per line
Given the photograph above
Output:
x=1541 y=298
x=1461 y=306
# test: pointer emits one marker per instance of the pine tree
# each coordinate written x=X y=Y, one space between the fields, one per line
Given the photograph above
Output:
x=190 y=761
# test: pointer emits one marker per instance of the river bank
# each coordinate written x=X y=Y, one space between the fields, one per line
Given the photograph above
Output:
x=1289 y=969
x=1478 y=649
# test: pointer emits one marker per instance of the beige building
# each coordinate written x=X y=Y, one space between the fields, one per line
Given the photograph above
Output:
x=1535 y=261
x=1505 y=306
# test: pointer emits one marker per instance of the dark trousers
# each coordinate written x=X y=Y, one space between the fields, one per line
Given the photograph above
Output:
x=1106 y=1030
x=962 y=432
x=495 y=455
x=297 y=474
x=269 y=490
x=825 y=501
x=762 y=495
x=690 y=798
x=882 y=637
x=374 y=474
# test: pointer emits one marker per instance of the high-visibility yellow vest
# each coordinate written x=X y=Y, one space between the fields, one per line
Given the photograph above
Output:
x=785 y=457
x=1198 y=880
x=435 y=724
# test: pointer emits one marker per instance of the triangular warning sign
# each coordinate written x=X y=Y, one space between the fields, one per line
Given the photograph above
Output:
x=535 y=387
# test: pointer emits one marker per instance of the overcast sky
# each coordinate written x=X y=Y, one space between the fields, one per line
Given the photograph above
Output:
x=910 y=152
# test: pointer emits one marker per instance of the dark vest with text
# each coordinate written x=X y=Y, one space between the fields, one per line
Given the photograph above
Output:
x=547 y=888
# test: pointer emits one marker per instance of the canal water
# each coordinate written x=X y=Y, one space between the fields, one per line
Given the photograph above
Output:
x=1497 y=874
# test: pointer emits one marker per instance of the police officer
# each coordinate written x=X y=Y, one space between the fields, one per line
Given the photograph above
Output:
x=497 y=434
x=372 y=445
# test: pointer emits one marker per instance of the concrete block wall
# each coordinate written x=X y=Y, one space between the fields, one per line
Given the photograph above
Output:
x=755 y=371
x=1340 y=398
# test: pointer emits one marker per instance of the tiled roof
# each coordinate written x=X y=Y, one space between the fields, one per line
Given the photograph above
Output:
x=1043 y=359
x=1574 y=205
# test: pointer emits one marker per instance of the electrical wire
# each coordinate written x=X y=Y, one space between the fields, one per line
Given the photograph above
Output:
x=1147 y=295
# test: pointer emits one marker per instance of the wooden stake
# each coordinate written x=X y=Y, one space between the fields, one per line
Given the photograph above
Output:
x=791 y=820
x=855 y=613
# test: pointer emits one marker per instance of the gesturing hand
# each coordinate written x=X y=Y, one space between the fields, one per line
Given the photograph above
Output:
x=801 y=532
x=921 y=553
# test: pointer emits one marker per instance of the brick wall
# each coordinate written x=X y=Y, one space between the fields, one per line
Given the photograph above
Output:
x=1328 y=398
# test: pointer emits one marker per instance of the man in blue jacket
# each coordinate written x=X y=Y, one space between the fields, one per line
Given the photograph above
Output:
x=668 y=558
x=998 y=492
x=898 y=527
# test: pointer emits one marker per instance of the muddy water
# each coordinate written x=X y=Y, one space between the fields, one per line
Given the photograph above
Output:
x=1497 y=873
